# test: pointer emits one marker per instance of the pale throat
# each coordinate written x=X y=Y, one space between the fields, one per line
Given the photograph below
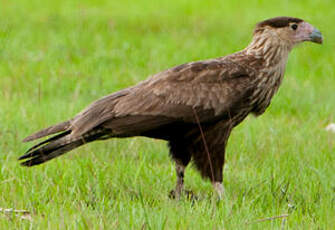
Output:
x=272 y=52
x=272 y=49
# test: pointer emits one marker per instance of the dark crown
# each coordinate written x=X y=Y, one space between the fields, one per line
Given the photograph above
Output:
x=278 y=22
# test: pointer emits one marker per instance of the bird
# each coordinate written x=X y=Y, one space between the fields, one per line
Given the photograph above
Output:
x=193 y=106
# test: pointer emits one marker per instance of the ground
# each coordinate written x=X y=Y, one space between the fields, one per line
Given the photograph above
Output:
x=58 y=56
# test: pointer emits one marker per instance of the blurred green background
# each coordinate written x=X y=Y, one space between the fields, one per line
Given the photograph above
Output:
x=58 y=56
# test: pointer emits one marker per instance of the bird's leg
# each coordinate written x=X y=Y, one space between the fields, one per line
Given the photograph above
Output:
x=181 y=157
x=180 y=169
x=218 y=187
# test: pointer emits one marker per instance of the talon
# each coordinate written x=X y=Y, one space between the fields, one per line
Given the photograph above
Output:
x=172 y=194
x=189 y=194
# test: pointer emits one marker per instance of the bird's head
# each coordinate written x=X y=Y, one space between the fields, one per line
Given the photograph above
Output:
x=287 y=30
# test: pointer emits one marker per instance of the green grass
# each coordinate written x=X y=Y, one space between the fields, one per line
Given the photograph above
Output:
x=58 y=56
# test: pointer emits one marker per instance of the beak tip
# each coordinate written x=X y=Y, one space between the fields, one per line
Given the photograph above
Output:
x=316 y=36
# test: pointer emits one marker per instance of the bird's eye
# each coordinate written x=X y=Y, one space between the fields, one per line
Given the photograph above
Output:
x=294 y=26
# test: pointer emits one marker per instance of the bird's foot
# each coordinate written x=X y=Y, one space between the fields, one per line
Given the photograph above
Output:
x=218 y=187
x=188 y=194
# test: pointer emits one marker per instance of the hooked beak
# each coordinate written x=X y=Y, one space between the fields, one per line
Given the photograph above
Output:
x=316 y=36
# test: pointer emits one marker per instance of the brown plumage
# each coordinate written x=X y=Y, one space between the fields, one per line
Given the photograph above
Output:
x=193 y=106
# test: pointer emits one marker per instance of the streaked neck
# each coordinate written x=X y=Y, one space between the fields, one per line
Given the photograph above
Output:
x=272 y=49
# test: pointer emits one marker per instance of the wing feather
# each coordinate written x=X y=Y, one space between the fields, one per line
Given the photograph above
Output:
x=199 y=85
x=211 y=88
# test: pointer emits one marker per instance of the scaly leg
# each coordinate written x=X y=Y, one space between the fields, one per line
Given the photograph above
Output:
x=181 y=157
x=180 y=169
x=218 y=187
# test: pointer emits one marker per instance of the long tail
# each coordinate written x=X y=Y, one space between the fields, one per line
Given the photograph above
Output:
x=56 y=146
x=48 y=131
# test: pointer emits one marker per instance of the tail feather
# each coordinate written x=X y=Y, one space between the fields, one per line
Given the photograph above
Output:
x=49 y=140
x=48 y=131
x=56 y=146
x=40 y=156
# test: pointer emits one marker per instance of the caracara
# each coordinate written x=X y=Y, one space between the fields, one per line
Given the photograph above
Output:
x=193 y=106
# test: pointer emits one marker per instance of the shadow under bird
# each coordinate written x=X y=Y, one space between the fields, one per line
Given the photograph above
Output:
x=194 y=106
